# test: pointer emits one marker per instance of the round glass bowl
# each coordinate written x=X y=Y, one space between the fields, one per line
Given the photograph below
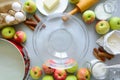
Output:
x=60 y=44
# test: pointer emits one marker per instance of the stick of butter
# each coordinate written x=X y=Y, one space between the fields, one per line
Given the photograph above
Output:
x=50 y=4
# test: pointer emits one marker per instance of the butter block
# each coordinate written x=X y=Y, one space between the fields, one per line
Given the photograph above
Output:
x=50 y=4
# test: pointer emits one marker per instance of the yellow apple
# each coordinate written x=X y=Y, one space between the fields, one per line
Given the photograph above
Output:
x=102 y=27
x=29 y=6
x=36 y=72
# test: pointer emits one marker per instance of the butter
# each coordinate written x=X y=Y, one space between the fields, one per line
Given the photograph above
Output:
x=50 y=4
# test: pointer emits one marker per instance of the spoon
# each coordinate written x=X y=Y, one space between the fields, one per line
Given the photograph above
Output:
x=113 y=66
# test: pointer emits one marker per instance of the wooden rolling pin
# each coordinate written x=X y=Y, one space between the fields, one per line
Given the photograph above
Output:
x=81 y=6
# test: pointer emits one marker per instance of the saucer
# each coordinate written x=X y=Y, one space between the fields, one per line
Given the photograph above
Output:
x=59 y=9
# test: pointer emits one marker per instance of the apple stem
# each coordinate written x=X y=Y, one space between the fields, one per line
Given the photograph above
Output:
x=35 y=72
x=9 y=31
x=28 y=4
x=89 y=16
x=59 y=74
x=101 y=24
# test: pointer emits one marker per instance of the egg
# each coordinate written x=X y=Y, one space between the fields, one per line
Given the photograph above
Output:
x=19 y=16
x=9 y=18
x=16 y=6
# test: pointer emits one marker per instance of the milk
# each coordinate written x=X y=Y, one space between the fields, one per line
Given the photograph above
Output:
x=100 y=12
x=99 y=71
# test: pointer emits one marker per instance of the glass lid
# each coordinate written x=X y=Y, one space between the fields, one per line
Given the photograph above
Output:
x=60 y=44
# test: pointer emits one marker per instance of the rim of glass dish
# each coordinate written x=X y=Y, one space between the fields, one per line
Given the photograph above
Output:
x=39 y=28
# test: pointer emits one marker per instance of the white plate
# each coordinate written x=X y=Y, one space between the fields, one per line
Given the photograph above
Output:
x=12 y=66
x=59 y=9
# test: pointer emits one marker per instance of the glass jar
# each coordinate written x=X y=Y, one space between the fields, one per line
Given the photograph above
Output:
x=97 y=69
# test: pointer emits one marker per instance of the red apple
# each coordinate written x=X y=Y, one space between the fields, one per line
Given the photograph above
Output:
x=47 y=70
x=83 y=74
x=60 y=74
x=20 y=36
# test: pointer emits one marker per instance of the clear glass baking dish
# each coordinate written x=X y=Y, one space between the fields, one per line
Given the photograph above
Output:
x=60 y=44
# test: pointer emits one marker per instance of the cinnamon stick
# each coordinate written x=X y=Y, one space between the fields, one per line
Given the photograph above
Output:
x=32 y=23
x=29 y=19
x=102 y=50
x=104 y=54
x=31 y=27
x=36 y=17
x=95 y=52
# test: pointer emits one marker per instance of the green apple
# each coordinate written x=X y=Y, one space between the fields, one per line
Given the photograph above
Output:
x=115 y=23
x=35 y=72
x=83 y=74
x=71 y=77
x=29 y=6
x=73 y=69
x=48 y=77
x=102 y=27
x=88 y=16
x=74 y=1
x=8 y=32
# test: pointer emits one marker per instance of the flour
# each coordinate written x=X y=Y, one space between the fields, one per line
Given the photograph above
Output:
x=114 y=43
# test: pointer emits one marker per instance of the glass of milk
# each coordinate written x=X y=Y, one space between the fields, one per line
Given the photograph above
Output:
x=97 y=69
